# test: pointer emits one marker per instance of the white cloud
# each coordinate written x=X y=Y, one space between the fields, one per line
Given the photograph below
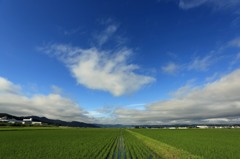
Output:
x=216 y=4
x=7 y=86
x=105 y=35
x=101 y=70
x=170 y=68
x=53 y=105
x=219 y=99
x=222 y=120
x=196 y=64
x=182 y=91
x=204 y=63
x=186 y=4
x=201 y=64
x=235 y=61
x=213 y=77
x=235 y=42
x=56 y=89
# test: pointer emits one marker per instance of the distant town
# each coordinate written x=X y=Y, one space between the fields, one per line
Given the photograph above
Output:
x=212 y=126
x=9 y=120
x=27 y=121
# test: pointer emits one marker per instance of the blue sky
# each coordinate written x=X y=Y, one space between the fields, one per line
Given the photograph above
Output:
x=121 y=61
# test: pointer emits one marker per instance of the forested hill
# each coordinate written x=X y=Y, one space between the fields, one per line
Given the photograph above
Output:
x=55 y=122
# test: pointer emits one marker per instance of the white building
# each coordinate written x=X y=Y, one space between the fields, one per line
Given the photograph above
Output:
x=27 y=121
x=4 y=119
x=202 y=126
x=36 y=123
x=182 y=128
x=31 y=122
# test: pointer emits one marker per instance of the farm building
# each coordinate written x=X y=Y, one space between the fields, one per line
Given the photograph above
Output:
x=202 y=126
x=31 y=122
x=36 y=123
x=4 y=119
x=27 y=121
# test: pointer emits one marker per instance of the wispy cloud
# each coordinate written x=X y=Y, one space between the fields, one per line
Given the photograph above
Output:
x=213 y=77
x=201 y=64
x=138 y=106
x=235 y=61
x=101 y=70
x=234 y=43
x=53 y=105
x=216 y=4
x=204 y=63
x=71 y=31
x=109 y=33
x=187 y=4
x=171 y=68
x=106 y=34
x=218 y=99
x=56 y=89
x=196 y=64
x=184 y=90
x=8 y=87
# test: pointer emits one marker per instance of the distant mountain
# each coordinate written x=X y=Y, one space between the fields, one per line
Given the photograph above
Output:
x=61 y=123
x=10 y=116
x=51 y=121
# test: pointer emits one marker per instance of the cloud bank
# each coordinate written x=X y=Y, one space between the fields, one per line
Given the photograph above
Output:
x=53 y=105
x=215 y=102
x=212 y=102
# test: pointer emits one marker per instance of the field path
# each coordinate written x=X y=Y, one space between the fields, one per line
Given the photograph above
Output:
x=163 y=150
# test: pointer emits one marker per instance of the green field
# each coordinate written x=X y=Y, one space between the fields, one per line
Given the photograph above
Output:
x=86 y=143
x=208 y=143
x=57 y=143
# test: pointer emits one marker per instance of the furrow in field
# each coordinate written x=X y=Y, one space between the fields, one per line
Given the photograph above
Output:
x=122 y=151
x=112 y=153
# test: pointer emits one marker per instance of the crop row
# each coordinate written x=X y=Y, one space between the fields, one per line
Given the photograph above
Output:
x=135 y=148
x=76 y=143
x=59 y=143
x=207 y=143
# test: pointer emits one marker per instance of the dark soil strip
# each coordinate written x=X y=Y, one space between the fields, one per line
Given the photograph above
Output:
x=121 y=150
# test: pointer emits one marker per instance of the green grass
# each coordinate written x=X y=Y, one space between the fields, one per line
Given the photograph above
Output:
x=208 y=143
